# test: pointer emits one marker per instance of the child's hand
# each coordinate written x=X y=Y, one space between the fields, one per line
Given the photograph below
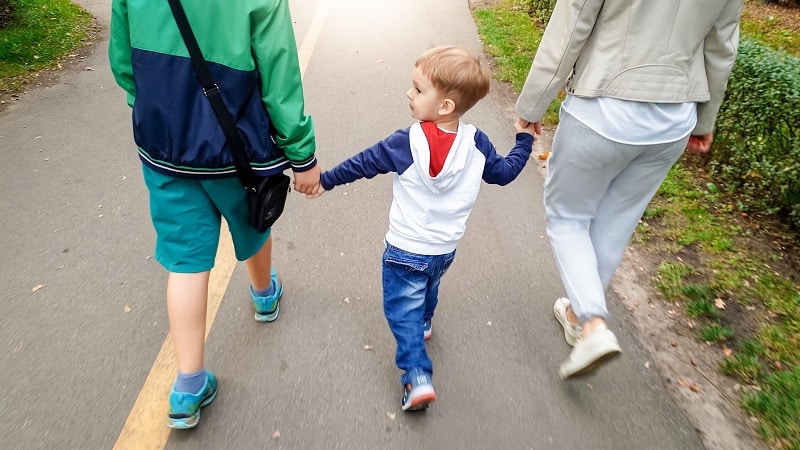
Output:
x=308 y=182
x=318 y=194
x=532 y=128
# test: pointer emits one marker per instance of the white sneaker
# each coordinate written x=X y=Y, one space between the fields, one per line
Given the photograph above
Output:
x=571 y=332
x=590 y=353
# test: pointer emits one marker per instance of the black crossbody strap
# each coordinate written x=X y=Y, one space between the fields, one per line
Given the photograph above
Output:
x=211 y=91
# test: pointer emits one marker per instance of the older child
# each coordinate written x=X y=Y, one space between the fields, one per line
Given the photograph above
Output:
x=439 y=163
x=189 y=170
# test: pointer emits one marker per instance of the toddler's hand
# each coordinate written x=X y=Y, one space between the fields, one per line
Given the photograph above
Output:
x=532 y=128
x=318 y=194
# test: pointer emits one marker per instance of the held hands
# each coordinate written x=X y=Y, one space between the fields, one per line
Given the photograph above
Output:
x=532 y=128
x=700 y=143
x=308 y=182
x=318 y=194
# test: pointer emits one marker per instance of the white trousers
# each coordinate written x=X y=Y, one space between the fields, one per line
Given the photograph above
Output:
x=595 y=193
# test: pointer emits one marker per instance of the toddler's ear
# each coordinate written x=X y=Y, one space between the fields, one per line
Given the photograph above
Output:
x=447 y=107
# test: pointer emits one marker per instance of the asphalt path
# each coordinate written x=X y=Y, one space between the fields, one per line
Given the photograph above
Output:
x=83 y=313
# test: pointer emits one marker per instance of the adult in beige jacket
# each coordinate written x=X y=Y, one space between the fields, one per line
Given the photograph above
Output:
x=644 y=82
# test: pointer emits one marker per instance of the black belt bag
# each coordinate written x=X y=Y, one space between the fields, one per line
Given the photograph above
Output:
x=266 y=196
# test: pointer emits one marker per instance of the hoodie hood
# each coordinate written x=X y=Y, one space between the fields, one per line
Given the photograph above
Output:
x=458 y=158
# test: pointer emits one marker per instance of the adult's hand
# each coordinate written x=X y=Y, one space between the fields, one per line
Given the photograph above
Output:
x=308 y=182
x=700 y=143
x=522 y=124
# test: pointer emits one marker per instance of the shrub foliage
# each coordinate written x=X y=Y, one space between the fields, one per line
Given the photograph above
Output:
x=541 y=9
x=758 y=131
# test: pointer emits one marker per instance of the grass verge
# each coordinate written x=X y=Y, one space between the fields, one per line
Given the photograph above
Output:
x=732 y=280
x=511 y=37
x=39 y=35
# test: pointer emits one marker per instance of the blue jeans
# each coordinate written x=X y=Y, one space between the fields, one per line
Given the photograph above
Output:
x=410 y=294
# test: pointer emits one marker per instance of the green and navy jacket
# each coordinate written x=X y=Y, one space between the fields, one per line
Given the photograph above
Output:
x=251 y=51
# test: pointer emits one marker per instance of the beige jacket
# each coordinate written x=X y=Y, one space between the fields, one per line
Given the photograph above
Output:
x=660 y=51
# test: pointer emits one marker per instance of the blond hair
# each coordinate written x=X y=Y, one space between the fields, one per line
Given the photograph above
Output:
x=457 y=73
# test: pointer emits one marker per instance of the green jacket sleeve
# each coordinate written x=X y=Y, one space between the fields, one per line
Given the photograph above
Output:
x=119 y=48
x=275 y=52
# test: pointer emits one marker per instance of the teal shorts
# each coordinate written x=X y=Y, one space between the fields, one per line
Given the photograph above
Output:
x=186 y=215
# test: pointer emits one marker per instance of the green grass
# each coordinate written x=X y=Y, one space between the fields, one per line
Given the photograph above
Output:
x=777 y=404
x=768 y=32
x=42 y=32
x=715 y=333
x=690 y=214
x=511 y=37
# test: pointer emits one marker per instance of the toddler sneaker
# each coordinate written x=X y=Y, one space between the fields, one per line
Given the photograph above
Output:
x=418 y=393
x=427 y=329
x=590 y=353
x=571 y=332
x=267 y=308
x=184 y=407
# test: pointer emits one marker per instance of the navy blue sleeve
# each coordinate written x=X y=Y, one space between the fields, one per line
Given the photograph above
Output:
x=503 y=170
x=392 y=154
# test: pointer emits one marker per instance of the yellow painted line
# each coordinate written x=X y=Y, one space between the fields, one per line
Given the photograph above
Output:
x=312 y=35
x=146 y=427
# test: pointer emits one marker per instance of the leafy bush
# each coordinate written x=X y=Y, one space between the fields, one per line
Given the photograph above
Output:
x=758 y=131
x=540 y=9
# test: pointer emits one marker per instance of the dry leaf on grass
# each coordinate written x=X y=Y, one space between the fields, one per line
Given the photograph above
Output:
x=727 y=352
x=719 y=303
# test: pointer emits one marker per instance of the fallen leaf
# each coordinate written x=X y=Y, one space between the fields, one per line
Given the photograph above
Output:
x=694 y=363
x=750 y=308
x=694 y=388
x=489 y=323
x=391 y=415
x=778 y=365
x=684 y=382
x=367 y=347
x=719 y=303
x=127 y=309
x=647 y=365
x=673 y=344
x=589 y=386
x=543 y=156
x=37 y=287
x=89 y=69
x=347 y=299
x=727 y=352
x=276 y=435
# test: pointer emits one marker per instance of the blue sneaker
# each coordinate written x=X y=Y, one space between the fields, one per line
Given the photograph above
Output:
x=267 y=308
x=427 y=330
x=418 y=394
x=184 y=407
